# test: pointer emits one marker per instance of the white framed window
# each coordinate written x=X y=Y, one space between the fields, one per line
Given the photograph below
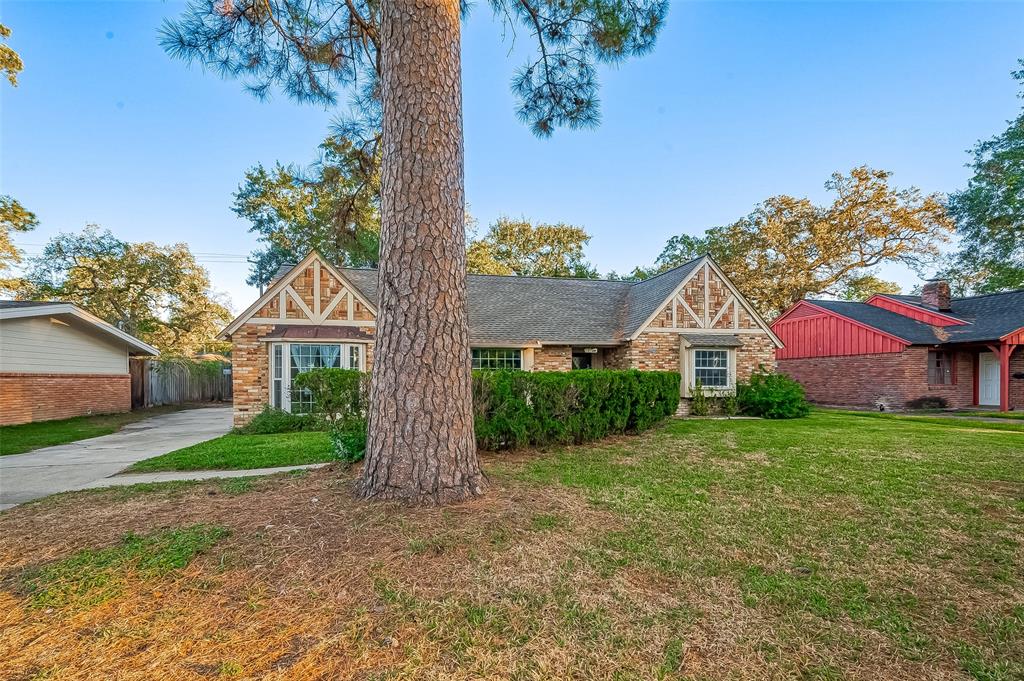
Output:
x=288 y=360
x=711 y=368
x=497 y=358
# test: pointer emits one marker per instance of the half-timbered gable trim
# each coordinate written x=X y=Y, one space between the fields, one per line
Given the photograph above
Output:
x=311 y=293
x=706 y=300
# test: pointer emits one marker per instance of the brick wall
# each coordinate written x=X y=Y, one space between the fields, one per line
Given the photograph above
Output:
x=552 y=358
x=890 y=379
x=25 y=398
x=1017 y=384
x=758 y=351
x=250 y=366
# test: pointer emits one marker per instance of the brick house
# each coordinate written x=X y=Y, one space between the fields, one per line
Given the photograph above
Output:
x=689 y=319
x=890 y=350
x=58 y=361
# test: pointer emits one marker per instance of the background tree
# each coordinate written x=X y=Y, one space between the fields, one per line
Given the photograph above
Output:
x=332 y=207
x=989 y=213
x=405 y=55
x=13 y=218
x=156 y=293
x=10 y=63
x=862 y=287
x=789 y=248
x=516 y=247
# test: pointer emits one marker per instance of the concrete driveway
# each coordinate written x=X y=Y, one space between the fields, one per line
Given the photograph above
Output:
x=76 y=465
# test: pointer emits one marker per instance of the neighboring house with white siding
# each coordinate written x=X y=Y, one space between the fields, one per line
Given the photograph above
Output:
x=59 y=361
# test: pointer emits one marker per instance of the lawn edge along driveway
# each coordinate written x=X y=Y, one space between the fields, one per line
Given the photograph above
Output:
x=243 y=452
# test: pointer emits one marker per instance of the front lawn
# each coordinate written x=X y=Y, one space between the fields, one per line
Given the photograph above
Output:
x=29 y=436
x=235 y=452
x=830 y=547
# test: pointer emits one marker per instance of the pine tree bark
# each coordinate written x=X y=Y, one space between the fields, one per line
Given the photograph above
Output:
x=421 y=446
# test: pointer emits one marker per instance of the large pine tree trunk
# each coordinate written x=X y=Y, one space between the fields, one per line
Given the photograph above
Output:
x=421 y=446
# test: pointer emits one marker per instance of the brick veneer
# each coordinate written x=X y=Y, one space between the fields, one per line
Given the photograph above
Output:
x=249 y=368
x=552 y=358
x=25 y=398
x=888 y=379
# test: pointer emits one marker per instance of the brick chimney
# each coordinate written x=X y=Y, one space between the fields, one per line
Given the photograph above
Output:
x=935 y=295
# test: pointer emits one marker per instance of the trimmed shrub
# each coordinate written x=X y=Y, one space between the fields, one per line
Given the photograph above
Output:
x=348 y=440
x=928 y=402
x=270 y=421
x=699 y=404
x=772 y=396
x=515 y=409
x=338 y=394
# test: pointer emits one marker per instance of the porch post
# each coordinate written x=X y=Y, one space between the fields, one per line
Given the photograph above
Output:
x=1004 y=376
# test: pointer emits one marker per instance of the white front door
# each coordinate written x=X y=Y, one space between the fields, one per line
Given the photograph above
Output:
x=988 y=379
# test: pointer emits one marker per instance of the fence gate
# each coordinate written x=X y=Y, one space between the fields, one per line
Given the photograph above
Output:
x=174 y=382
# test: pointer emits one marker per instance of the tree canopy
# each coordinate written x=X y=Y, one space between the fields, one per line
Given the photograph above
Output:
x=517 y=247
x=315 y=48
x=10 y=63
x=989 y=212
x=790 y=248
x=156 y=293
x=13 y=218
x=332 y=207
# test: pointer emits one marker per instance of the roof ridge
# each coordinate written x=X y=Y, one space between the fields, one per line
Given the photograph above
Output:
x=989 y=295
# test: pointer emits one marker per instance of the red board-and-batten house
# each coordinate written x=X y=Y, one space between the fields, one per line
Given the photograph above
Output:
x=891 y=349
x=689 y=319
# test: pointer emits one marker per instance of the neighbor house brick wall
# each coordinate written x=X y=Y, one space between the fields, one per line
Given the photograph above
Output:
x=890 y=379
x=250 y=367
x=25 y=398
x=552 y=358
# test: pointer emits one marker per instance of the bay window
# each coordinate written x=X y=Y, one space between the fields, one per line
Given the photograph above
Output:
x=288 y=360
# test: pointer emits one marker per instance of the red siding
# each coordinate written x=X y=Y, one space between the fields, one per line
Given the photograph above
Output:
x=810 y=331
x=1014 y=337
x=914 y=312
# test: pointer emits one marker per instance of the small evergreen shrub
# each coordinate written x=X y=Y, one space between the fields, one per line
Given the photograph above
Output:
x=270 y=421
x=514 y=409
x=772 y=396
x=928 y=402
x=348 y=440
x=338 y=394
x=699 y=404
x=730 y=405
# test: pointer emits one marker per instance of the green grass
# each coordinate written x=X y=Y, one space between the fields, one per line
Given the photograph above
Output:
x=830 y=526
x=91 y=577
x=239 y=452
x=945 y=422
x=29 y=436
x=1013 y=415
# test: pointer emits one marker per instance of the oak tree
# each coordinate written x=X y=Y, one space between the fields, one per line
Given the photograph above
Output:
x=403 y=56
x=13 y=218
x=789 y=248
x=156 y=293
x=10 y=63
x=332 y=207
x=517 y=247
x=989 y=212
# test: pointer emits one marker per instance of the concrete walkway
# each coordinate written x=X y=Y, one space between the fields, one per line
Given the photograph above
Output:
x=78 y=465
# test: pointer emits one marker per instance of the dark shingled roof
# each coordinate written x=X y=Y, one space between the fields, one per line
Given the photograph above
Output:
x=10 y=304
x=553 y=310
x=714 y=340
x=988 y=318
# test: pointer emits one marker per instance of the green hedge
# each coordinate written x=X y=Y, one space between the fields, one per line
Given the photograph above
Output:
x=515 y=409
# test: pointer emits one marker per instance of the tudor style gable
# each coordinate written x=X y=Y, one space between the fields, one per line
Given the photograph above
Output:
x=707 y=301
x=313 y=293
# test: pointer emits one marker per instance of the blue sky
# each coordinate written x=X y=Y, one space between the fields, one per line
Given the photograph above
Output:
x=738 y=102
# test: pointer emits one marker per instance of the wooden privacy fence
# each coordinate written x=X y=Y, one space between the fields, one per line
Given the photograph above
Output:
x=156 y=382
